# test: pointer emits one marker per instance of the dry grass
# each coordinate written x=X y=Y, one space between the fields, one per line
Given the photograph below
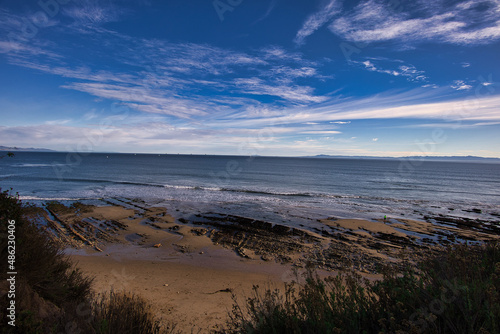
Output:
x=124 y=312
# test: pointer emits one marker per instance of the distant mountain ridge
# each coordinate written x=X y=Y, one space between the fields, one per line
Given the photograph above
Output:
x=415 y=157
x=470 y=158
x=30 y=149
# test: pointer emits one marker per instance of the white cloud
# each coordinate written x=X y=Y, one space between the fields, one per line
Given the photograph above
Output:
x=321 y=132
x=58 y=122
x=269 y=131
x=178 y=79
x=17 y=35
x=26 y=26
x=212 y=92
x=375 y=139
x=453 y=125
x=289 y=72
x=296 y=94
x=20 y=50
x=487 y=108
x=275 y=52
x=407 y=71
x=154 y=135
x=466 y=23
x=93 y=12
x=83 y=73
x=316 y=21
x=460 y=85
x=391 y=105
x=141 y=98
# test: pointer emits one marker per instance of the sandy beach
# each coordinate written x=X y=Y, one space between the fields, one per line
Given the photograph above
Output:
x=190 y=268
x=195 y=296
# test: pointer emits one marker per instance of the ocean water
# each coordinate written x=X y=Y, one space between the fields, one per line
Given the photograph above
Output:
x=290 y=190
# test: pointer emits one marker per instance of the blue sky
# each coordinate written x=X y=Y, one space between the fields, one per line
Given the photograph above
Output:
x=265 y=77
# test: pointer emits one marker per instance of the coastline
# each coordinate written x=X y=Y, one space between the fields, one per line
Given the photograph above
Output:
x=189 y=268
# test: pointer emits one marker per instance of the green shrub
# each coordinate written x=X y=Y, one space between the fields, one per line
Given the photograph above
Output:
x=52 y=295
x=455 y=292
x=46 y=279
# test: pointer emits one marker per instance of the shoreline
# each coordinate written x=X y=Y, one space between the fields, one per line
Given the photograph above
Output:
x=188 y=268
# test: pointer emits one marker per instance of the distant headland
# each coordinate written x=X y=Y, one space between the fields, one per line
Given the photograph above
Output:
x=24 y=149
x=469 y=158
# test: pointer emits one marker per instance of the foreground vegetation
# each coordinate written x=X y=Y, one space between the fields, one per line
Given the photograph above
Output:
x=52 y=296
x=455 y=292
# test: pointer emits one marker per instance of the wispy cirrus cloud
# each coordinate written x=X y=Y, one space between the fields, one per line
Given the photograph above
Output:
x=280 y=128
x=469 y=22
x=22 y=50
x=287 y=73
x=93 y=12
x=274 y=53
x=176 y=79
x=83 y=72
x=17 y=32
x=199 y=95
x=139 y=135
x=317 y=20
x=203 y=72
x=296 y=94
x=486 y=108
x=453 y=125
x=321 y=132
x=267 y=13
x=190 y=58
x=393 y=105
x=140 y=98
